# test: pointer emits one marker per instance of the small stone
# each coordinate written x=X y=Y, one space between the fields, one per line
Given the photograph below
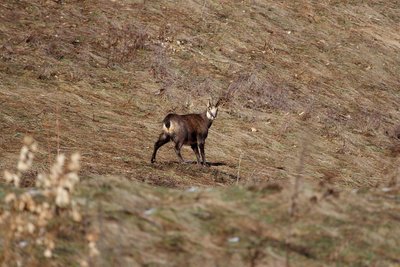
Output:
x=234 y=239
x=47 y=253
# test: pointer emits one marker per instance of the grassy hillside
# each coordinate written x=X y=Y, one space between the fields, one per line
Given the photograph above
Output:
x=146 y=226
x=99 y=76
x=140 y=225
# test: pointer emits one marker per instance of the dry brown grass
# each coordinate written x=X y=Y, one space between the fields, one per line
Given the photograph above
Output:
x=242 y=227
x=281 y=60
x=33 y=218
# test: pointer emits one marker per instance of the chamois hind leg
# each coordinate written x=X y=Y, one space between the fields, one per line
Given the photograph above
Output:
x=203 y=155
x=162 y=140
x=196 y=151
x=178 y=147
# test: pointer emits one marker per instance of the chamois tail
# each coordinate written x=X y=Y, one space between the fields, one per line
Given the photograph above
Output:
x=167 y=124
x=164 y=137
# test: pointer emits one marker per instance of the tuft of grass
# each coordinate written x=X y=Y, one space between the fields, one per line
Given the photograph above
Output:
x=34 y=218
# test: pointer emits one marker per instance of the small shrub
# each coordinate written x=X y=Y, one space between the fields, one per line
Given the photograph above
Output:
x=161 y=69
x=367 y=121
x=258 y=93
x=122 y=43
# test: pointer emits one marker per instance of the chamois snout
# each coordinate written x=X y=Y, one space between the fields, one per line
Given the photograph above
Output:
x=212 y=111
x=189 y=129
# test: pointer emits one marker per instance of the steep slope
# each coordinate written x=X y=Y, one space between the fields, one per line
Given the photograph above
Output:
x=101 y=75
x=318 y=81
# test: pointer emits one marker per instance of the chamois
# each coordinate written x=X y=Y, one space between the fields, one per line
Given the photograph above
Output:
x=189 y=129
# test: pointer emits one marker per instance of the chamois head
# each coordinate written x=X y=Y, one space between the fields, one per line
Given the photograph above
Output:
x=212 y=110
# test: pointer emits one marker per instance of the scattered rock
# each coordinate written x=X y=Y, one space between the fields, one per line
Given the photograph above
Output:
x=234 y=239
x=304 y=115
x=192 y=189
x=149 y=211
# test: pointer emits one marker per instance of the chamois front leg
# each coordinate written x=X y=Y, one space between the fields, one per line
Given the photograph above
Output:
x=162 y=140
x=196 y=151
x=203 y=155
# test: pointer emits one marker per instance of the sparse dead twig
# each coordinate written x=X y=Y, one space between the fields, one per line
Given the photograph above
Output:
x=58 y=128
x=294 y=205
x=298 y=181
x=238 y=172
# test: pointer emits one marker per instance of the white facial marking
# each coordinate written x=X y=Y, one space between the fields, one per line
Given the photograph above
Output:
x=209 y=115
x=212 y=113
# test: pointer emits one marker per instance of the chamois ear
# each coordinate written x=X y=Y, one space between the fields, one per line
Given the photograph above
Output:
x=209 y=103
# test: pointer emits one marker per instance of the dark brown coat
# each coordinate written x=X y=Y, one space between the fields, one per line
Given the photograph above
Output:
x=189 y=129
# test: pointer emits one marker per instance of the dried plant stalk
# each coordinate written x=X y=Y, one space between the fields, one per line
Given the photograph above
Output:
x=26 y=216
